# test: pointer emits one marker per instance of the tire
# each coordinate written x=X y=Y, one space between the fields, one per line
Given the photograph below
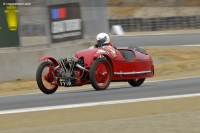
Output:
x=100 y=74
x=39 y=78
x=136 y=82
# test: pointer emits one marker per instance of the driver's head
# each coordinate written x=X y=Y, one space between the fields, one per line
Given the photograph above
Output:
x=103 y=38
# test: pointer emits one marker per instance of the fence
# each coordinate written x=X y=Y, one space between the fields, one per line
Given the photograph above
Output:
x=157 y=24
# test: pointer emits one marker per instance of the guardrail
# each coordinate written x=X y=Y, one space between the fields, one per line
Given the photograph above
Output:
x=157 y=24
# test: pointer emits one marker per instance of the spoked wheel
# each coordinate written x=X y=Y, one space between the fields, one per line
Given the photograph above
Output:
x=136 y=82
x=44 y=78
x=100 y=74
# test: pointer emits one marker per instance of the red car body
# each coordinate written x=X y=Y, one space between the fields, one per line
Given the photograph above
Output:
x=98 y=66
x=122 y=69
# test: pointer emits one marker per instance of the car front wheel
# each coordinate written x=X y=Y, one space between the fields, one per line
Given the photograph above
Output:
x=100 y=74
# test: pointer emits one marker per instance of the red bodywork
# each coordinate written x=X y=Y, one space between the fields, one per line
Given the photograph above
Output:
x=122 y=69
x=54 y=61
x=140 y=67
x=95 y=66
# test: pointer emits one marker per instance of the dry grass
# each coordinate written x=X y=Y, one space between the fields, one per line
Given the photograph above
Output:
x=174 y=60
x=121 y=12
x=163 y=116
x=170 y=62
x=152 y=8
x=18 y=87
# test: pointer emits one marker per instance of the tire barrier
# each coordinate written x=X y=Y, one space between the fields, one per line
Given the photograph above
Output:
x=157 y=24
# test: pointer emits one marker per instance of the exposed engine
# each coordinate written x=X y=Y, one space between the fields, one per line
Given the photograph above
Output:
x=69 y=71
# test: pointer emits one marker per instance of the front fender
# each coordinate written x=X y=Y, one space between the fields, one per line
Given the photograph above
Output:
x=107 y=58
x=55 y=62
x=99 y=54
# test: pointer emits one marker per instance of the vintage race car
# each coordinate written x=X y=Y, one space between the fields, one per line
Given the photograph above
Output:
x=96 y=66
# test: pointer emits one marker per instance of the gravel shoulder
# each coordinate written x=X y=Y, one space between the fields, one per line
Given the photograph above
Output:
x=166 y=116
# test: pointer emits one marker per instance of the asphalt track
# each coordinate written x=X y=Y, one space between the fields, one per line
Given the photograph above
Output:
x=123 y=92
x=156 y=40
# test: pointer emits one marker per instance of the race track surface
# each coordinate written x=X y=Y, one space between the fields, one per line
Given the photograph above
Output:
x=156 y=40
x=148 y=89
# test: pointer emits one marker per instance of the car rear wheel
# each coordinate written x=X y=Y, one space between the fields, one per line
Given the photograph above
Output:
x=100 y=74
x=136 y=82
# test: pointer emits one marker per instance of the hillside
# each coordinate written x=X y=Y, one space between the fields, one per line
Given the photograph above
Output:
x=152 y=8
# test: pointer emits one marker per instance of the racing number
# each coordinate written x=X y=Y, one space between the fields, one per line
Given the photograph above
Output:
x=112 y=51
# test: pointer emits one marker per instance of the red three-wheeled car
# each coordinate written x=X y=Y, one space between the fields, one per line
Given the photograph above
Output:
x=96 y=66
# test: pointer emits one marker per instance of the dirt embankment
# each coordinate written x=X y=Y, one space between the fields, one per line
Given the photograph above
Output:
x=175 y=61
x=152 y=8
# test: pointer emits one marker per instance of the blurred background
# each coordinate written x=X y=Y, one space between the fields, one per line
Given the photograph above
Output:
x=99 y=16
x=154 y=15
x=35 y=28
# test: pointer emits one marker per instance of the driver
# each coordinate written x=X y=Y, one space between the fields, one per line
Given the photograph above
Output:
x=102 y=40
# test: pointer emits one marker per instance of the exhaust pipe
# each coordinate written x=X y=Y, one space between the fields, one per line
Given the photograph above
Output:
x=83 y=68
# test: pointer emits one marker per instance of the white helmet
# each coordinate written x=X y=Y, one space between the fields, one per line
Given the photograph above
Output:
x=103 y=38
